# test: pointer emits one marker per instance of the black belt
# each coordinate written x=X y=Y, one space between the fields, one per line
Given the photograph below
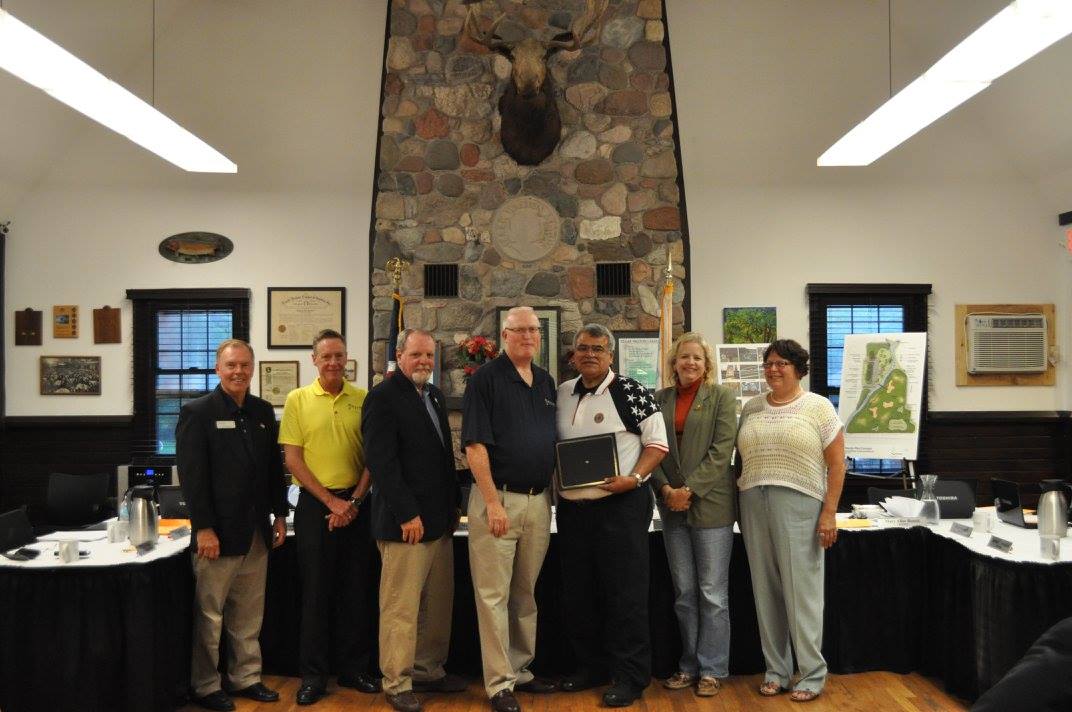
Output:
x=517 y=489
x=344 y=493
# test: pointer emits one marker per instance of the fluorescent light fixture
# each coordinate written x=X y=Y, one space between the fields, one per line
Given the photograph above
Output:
x=39 y=61
x=1009 y=38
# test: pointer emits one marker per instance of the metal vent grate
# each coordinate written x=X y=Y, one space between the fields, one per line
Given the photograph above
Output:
x=441 y=280
x=612 y=279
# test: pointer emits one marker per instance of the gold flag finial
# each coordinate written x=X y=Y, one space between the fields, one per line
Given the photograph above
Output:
x=396 y=266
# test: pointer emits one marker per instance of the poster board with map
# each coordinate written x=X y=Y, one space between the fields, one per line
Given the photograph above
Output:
x=740 y=368
x=881 y=393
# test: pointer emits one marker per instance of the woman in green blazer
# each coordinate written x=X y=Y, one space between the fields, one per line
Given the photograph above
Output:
x=696 y=495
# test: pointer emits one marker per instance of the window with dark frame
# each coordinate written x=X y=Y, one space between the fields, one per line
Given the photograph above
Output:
x=176 y=332
x=836 y=310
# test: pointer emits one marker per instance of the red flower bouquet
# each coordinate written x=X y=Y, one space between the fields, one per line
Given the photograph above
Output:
x=475 y=351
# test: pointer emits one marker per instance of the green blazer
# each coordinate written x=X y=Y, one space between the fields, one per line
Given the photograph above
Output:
x=703 y=460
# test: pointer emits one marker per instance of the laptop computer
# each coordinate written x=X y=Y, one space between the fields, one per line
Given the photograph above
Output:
x=1009 y=508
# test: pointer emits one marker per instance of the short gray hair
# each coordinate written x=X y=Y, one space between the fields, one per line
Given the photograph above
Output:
x=233 y=343
x=403 y=336
x=597 y=331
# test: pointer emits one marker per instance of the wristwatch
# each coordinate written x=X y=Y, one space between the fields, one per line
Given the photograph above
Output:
x=639 y=479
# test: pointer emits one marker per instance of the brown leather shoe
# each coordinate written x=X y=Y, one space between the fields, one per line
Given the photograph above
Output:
x=708 y=686
x=404 y=702
x=679 y=681
x=504 y=701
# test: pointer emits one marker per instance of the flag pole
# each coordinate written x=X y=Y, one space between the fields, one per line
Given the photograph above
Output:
x=395 y=268
x=666 y=320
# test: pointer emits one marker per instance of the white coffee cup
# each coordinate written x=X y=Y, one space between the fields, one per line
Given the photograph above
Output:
x=117 y=531
x=68 y=551
x=981 y=520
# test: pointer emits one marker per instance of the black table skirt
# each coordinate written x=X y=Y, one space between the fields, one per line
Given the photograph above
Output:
x=95 y=639
x=92 y=639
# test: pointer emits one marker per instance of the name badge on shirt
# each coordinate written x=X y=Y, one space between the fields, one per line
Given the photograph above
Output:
x=225 y=425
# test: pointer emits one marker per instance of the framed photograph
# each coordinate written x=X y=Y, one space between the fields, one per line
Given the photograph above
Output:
x=637 y=356
x=297 y=314
x=278 y=378
x=749 y=325
x=350 y=371
x=70 y=375
x=547 y=357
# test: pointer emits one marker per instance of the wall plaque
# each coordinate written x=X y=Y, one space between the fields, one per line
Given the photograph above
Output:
x=65 y=321
x=28 y=327
x=525 y=229
x=106 y=325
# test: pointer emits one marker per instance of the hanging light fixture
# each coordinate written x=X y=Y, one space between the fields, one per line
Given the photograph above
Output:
x=39 y=61
x=1018 y=32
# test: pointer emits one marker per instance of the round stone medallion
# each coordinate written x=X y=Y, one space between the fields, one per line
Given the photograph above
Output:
x=525 y=228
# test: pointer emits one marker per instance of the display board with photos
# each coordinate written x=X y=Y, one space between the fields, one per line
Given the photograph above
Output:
x=740 y=368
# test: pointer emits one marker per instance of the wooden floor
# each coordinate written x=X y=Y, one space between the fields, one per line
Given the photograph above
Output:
x=863 y=692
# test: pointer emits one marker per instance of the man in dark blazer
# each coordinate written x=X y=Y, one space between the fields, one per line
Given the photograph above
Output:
x=415 y=508
x=232 y=477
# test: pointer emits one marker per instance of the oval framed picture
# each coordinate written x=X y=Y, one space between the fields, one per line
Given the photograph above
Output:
x=195 y=248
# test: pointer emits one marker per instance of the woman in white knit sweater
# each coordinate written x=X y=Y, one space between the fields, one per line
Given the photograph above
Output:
x=792 y=458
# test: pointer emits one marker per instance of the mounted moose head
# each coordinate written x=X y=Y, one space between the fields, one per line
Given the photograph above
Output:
x=531 y=125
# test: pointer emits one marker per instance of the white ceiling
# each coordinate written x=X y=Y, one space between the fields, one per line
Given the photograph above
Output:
x=270 y=83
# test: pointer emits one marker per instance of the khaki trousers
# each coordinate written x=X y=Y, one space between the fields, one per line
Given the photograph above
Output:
x=504 y=571
x=228 y=595
x=416 y=601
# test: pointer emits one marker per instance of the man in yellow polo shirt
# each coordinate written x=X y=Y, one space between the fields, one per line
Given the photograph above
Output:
x=321 y=438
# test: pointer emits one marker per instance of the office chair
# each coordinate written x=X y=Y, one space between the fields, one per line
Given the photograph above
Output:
x=76 y=500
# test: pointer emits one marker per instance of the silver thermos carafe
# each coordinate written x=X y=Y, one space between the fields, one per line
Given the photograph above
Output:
x=143 y=519
x=1053 y=508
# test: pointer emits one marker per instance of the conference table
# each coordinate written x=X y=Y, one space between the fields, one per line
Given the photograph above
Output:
x=116 y=637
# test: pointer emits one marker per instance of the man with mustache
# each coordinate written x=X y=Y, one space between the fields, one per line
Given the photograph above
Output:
x=603 y=529
x=415 y=500
x=232 y=477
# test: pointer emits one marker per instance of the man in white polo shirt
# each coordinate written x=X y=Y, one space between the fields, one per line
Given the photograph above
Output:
x=603 y=530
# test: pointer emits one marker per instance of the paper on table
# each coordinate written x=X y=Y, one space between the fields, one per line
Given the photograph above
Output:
x=80 y=535
x=902 y=506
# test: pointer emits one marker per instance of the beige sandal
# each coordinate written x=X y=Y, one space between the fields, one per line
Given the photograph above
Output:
x=803 y=695
x=708 y=686
x=770 y=688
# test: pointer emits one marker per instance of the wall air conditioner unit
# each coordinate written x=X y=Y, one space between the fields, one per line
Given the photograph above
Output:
x=1007 y=343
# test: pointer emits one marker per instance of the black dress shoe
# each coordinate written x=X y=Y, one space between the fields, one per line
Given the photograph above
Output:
x=361 y=682
x=581 y=681
x=504 y=701
x=217 y=700
x=309 y=694
x=536 y=686
x=621 y=695
x=447 y=683
x=404 y=702
x=257 y=691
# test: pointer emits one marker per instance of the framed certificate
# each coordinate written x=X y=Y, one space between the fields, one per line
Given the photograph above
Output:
x=278 y=378
x=637 y=356
x=297 y=314
x=587 y=461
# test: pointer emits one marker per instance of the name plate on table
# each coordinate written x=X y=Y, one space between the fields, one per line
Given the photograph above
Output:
x=1000 y=544
x=962 y=529
x=899 y=521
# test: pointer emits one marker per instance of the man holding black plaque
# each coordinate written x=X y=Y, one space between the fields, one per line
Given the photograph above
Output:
x=603 y=527
x=508 y=427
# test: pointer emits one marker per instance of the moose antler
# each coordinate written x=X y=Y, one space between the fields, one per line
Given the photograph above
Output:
x=487 y=38
x=585 y=29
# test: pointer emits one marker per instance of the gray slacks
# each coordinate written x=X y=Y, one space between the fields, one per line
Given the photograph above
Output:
x=787 y=566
